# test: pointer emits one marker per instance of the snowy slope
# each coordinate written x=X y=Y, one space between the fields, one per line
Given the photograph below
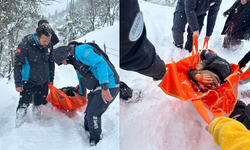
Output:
x=161 y=122
x=58 y=129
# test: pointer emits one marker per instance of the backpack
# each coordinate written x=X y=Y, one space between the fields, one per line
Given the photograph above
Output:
x=97 y=49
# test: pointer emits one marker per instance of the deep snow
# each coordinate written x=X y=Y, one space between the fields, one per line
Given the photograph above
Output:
x=159 y=121
x=59 y=129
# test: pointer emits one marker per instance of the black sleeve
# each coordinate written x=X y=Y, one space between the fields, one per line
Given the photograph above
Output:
x=211 y=18
x=51 y=66
x=20 y=57
x=54 y=38
x=191 y=74
x=244 y=60
x=190 y=6
x=138 y=55
x=227 y=12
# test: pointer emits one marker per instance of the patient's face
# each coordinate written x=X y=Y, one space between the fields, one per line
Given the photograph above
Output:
x=64 y=90
x=64 y=62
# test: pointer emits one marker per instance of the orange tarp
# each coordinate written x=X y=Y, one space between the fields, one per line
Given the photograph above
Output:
x=176 y=83
x=60 y=100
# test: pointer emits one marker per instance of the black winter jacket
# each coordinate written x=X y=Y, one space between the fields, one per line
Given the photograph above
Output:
x=241 y=14
x=244 y=60
x=138 y=55
x=218 y=66
x=54 y=38
x=195 y=8
x=32 y=63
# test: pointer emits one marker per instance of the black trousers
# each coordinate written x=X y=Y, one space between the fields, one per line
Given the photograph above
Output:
x=33 y=93
x=95 y=108
x=241 y=113
x=180 y=21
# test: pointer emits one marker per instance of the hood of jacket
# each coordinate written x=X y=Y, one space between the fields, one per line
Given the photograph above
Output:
x=62 y=53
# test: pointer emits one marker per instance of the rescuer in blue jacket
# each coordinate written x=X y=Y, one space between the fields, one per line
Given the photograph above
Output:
x=96 y=73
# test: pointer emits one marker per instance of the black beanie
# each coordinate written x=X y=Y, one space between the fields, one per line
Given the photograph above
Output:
x=42 y=21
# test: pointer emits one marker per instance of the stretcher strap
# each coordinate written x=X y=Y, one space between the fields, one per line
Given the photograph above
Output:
x=245 y=75
x=217 y=113
x=205 y=44
x=195 y=44
x=200 y=107
x=53 y=89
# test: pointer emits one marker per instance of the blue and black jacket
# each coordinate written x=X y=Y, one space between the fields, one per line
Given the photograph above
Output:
x=94 y=71
x=33 y=63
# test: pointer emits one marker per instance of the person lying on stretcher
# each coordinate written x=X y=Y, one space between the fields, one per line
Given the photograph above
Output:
x=69 y=90
x=211 y=73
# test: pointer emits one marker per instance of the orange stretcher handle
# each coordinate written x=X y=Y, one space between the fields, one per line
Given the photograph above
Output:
x=205 y=44
x=200 y=107
x=195 y=44
x=53 y=89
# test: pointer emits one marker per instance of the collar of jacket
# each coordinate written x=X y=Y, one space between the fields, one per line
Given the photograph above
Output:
x=34 y=37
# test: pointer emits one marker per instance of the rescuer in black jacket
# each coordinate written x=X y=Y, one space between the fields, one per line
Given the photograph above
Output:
x=137 y=53
x=33 y=70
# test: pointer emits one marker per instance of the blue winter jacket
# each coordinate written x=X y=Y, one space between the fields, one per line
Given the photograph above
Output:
x=93 y=70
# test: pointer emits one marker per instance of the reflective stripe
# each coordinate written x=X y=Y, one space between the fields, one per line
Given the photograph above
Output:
x=99 y=87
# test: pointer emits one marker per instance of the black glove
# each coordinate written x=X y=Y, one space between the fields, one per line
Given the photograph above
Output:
x=241 y=63
x=226 y=13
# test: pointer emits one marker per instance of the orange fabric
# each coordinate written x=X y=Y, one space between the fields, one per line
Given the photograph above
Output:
x=60 y=100
x=200 y=107
x=205 y=43
x=195 y=43
x=176 y=83
x=245 y=75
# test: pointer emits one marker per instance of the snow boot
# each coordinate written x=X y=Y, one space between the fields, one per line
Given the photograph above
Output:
x=36 y=110
x=20 y=116
x=125 y=91
x=93 y=142
x=136 y=97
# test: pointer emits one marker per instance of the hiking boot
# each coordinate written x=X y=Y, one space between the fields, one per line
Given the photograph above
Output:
x=92 y=143
x=136 y=96
x=125 y=91
x=20 y=116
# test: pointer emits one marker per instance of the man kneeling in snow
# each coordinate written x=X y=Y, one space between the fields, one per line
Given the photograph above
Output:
x=211 y=73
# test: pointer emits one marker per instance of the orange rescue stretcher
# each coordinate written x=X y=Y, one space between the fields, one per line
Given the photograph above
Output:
x=62 y=101
x=221 y=100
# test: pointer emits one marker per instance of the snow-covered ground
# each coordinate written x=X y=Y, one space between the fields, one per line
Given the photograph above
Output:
x=58 y=130
x=159 y=121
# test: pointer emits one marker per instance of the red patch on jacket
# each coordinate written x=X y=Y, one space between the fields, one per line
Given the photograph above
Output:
x=18 y=50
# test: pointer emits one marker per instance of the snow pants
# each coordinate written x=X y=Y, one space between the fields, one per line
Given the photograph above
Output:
x=241 y=113
x=35 y=93
x=137 y=53
x=95 y=108
x=179 y=24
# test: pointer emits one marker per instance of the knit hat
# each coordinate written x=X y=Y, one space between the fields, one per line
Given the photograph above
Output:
x=206 y=54
x=42 y=21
